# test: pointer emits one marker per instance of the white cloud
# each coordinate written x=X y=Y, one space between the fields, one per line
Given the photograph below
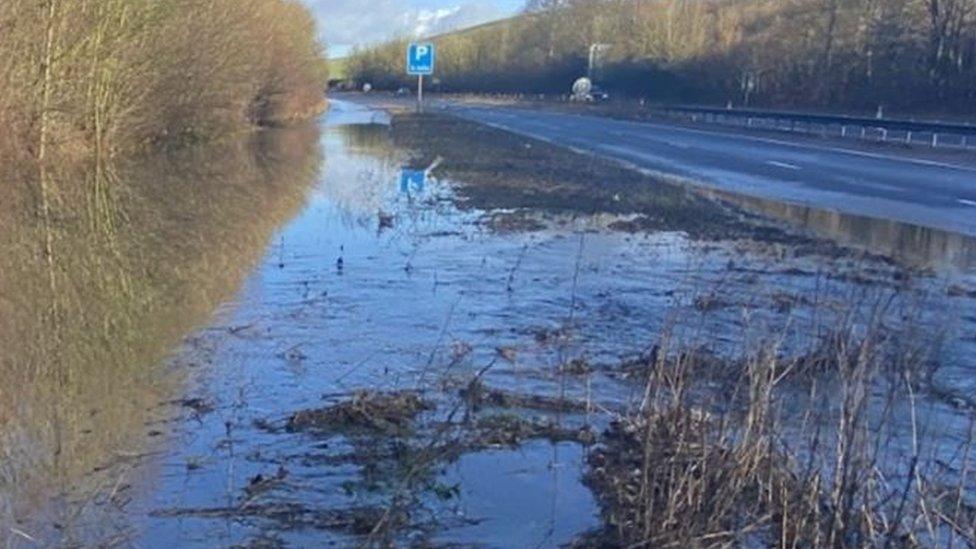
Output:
x=346 y=23
x=457 y=17
x=427 y=21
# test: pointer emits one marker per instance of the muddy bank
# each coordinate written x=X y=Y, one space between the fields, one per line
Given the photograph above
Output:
x=497 y=170
x=517 y=179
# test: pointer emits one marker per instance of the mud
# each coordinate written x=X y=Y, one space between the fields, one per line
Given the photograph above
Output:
x=515 y=178
x=500 y=171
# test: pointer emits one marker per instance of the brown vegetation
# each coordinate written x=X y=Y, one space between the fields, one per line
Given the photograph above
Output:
x=843 y=54
x=102 y=75
x=683 y=470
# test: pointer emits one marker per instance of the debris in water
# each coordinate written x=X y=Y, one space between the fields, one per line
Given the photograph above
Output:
x=199 y=406
x=478 y=396
x=576 y=367
x=384 y=412
x=513 y=430
x=293 y=516
x=507 y=353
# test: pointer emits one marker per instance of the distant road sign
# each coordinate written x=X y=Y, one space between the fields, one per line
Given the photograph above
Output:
x=420 y=58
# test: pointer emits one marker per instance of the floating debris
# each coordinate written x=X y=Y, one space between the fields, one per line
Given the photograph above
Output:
x=509 y=354
x=199 y=406
x=513 y=430
x=576 y=367
x=384 y=412
x=478 y=396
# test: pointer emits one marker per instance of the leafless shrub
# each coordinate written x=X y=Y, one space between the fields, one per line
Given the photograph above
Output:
x=682 y=471
x=106 y=75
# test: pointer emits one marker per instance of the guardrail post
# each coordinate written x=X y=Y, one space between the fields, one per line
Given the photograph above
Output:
x=884 y=134
x=843 y=131
x=935 y=139
x=908 y=137
x=864 y=132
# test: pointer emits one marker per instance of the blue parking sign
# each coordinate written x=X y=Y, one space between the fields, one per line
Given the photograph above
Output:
x=420 y=58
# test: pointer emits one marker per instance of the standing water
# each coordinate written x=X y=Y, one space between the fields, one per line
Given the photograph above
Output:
x=320 y=403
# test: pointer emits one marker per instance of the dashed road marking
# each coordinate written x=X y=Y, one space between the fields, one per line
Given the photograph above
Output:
x=967 y=202
x=783 y=165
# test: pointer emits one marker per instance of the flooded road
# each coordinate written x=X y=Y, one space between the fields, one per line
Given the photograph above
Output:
x=368 y=270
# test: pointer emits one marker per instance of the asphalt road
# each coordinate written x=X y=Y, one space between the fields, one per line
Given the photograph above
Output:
x=881 y=184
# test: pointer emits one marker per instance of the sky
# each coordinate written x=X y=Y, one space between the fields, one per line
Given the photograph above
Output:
x=346 y=23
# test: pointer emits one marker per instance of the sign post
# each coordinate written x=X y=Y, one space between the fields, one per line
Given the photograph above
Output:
x=420 y=62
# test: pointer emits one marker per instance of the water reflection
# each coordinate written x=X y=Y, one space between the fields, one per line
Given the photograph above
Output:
x=912 y=245
x=133 y=271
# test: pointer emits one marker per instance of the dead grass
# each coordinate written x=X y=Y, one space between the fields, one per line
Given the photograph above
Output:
x=681 y=472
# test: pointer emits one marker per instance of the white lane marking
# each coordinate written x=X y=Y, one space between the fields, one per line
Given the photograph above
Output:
x=783 y=165
x=967 y=202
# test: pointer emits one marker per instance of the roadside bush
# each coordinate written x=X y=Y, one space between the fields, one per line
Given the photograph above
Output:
x=108 y=75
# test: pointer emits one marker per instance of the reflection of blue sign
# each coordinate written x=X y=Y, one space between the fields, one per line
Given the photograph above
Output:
x=412 y=181
x=420 y=58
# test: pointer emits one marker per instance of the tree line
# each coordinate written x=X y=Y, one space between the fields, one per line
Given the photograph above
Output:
x=909 y=55
x=100 y=76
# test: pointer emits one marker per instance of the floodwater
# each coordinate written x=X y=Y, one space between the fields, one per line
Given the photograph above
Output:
x=355 y=270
